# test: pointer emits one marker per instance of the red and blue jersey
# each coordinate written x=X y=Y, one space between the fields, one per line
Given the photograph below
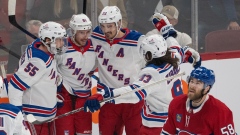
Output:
x=212 y=117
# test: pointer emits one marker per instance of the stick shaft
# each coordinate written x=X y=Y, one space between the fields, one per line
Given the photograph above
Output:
x=4 y=77
x=109 y=99
x=137 y=89
x=12 y=18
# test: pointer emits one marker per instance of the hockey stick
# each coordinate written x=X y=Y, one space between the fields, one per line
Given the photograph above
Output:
x=84 y=6
x=4 y=77
x=33 y=120
x=9 y=51
x=12 y=18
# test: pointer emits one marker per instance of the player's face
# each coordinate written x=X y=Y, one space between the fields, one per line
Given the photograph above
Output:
x=60 y=42
x=109 y=30
x=61 y=45
x=82 y=36
x=194 y=89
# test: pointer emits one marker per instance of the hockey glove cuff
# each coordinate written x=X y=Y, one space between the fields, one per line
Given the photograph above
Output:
x=192 y=56
x=162 y=24
x=105 y=90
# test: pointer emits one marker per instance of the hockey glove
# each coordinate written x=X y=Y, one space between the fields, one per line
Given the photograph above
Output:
x=93 y=103
x=161 y=22
x=60 y=100
x=192 y=56
x=104 y=90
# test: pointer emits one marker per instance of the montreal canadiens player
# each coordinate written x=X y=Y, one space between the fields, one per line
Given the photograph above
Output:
x=75 y=67
x=199 y=112
x=11 y=117
x=33 y=87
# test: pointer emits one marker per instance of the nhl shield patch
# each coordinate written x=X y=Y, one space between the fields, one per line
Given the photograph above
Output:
x=178 y=117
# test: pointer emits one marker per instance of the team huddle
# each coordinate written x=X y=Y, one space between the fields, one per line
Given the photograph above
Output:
x=138 y=73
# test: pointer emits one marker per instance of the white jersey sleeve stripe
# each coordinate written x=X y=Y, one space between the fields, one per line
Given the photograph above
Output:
x=166 y=68
x=49 y=62
x=39 y=111
x=153 y=117
x=141 y=93
x=18 y=83
x=7 y=112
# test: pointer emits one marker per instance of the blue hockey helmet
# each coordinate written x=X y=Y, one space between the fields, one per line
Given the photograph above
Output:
x=205 y=75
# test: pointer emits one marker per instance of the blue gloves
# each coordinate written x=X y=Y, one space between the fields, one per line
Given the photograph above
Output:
x=161 y=22
x=93 y=103
x=104 y=90
x=192 y=56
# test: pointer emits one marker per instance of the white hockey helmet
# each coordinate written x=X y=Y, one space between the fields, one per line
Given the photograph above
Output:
x=80 y=22
x=110 y=14
x=155 y=44
x=53 y=31
x=3 y=92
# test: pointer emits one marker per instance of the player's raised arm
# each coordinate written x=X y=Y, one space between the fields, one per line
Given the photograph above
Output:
x=166 y=29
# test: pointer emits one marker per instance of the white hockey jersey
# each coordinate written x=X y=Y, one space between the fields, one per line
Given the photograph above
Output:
x=33 y=87
x=157 y=97
x=74 y=67
x=119 y=61
x=11 y=121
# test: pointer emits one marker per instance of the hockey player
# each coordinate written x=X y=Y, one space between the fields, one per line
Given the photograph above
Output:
x=74 y=67
x=11 y=117
x=195 y=113
x=152 y=121
x=166 y=29
x=160 y=64
x=119 y=63
x=33 y=88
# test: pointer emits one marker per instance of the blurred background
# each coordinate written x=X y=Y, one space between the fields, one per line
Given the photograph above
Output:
x=205 y=25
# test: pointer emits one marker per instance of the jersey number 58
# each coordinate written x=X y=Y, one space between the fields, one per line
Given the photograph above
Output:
x=228 y=130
